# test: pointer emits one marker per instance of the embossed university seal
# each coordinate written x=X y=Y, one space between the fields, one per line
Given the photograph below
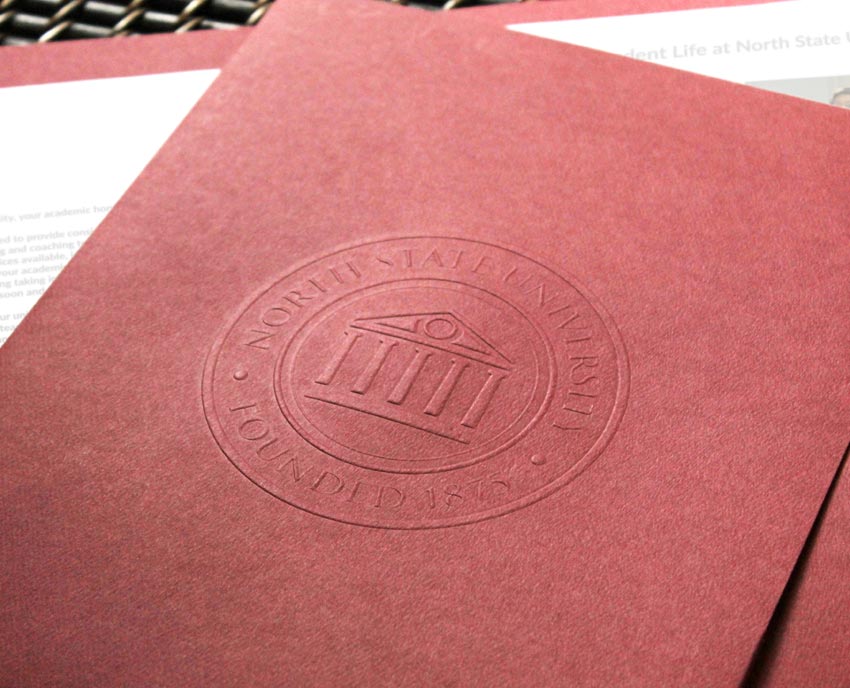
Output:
x=416 y=383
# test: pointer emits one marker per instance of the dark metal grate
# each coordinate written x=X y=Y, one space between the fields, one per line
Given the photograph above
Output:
x=39 y=21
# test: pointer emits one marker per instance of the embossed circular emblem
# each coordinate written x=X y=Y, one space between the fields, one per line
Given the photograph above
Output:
x=416 y=383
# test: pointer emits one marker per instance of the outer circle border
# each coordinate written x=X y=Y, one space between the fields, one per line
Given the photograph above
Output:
x=614 y=419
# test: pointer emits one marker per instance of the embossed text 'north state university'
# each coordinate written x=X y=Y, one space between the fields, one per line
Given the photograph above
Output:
x=416 y=382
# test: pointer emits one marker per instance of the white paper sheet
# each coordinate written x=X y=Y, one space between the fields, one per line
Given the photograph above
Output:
x=70 y=151
x=798 y=47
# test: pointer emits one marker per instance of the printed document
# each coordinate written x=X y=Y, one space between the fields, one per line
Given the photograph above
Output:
x=799 y=48
x=71 y=151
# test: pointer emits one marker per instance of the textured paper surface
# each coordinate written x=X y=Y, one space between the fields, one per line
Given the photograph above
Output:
x=811 y=639
x=141 y=553
x=86 y=59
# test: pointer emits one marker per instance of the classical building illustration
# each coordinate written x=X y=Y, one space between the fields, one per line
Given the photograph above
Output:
x=429 y=371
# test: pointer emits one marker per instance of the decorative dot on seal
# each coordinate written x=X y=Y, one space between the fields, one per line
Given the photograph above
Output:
x=416 y=383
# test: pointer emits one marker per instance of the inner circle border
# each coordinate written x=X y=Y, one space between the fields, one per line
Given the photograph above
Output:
x=614 y=419
x=541 y=411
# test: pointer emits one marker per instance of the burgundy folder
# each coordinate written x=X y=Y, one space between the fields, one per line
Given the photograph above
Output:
x=432 y=367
